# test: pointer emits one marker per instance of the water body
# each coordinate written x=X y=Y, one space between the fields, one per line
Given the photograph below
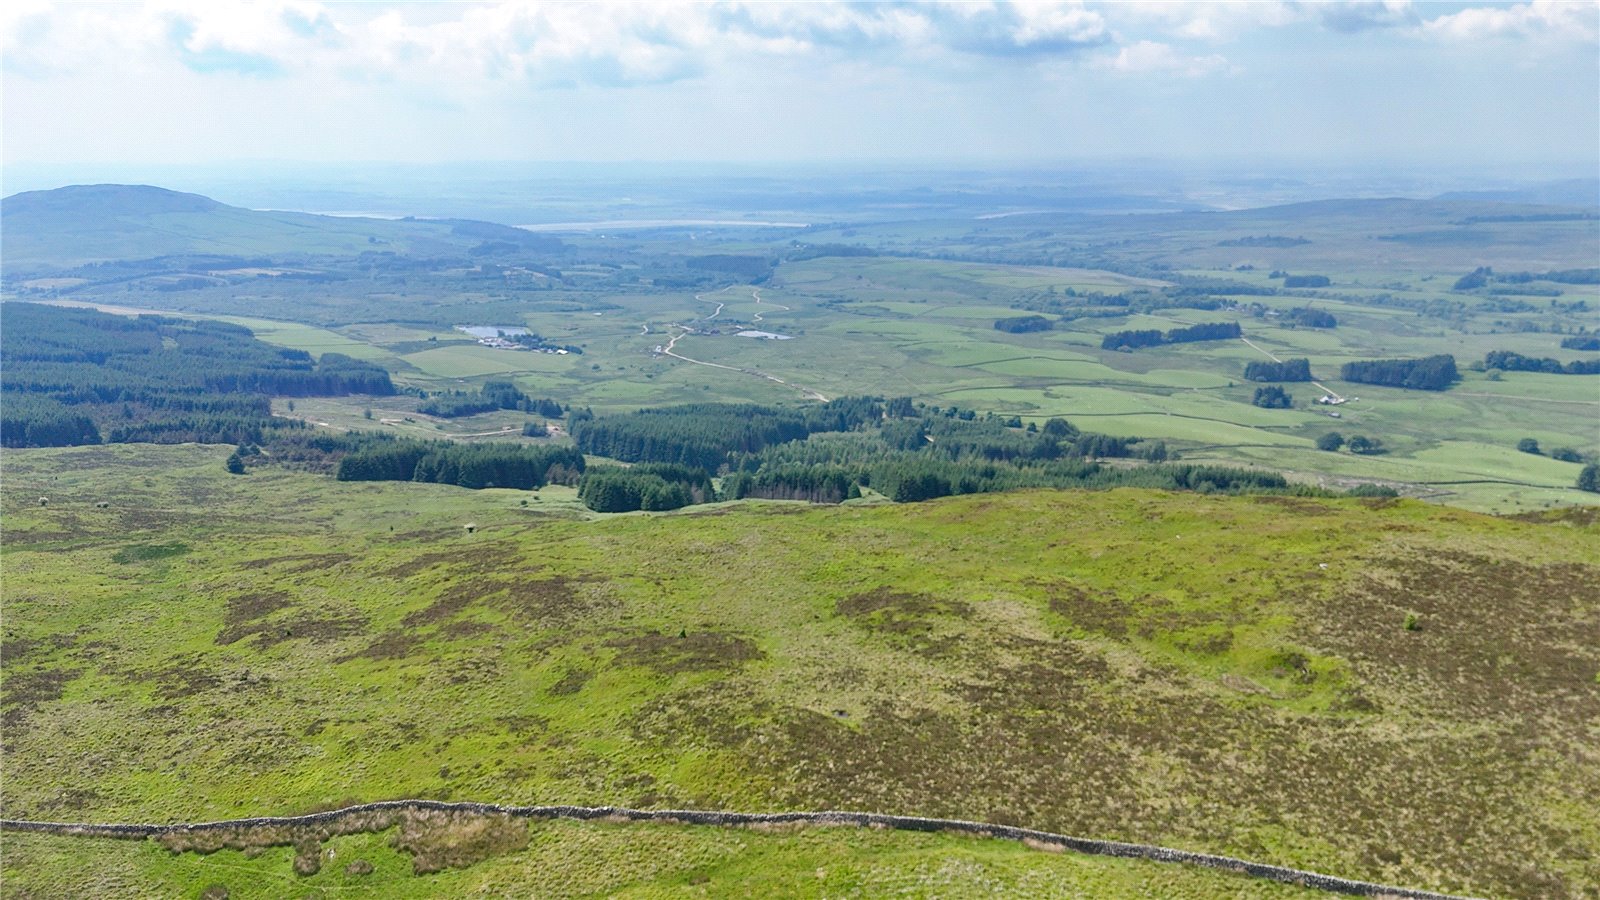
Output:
x=483 y=331
x=766 y=335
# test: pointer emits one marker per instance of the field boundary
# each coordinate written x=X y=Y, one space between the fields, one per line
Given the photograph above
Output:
x=1039 y=839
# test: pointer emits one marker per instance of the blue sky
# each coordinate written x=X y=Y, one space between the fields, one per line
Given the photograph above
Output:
x=210 y=81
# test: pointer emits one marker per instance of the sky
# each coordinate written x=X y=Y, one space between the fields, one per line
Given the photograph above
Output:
x=213 y=81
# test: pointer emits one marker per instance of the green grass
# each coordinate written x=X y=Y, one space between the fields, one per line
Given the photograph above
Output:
x=1230 y=675
x=923 y=327
x=577 y=859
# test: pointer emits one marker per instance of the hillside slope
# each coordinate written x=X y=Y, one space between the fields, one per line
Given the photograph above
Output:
x=1377 y=690
x=89 y=223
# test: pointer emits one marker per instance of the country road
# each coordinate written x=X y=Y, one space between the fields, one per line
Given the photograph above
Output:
x=719 y=303
x=1325 y=389
x=669 y=350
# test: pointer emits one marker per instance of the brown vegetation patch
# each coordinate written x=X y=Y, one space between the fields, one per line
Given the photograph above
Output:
x=545 y=600
x=886 y=609
x=669 y=654
x=571 y=683
x=524 y=726
x=29 y=689
x=1063 y=740
x=185 y=677
x=27 y=537
x=1297 y=505
x=453 y=600
x=1100 y=613
x=1579 y=516
x=464 y=629
x=389 y=645
x=296 y=563
x=529 y=600
x=484 y=559
x=303 y=627
x=439 y=840
x=17 y=647
x=252 y=606
x=911 y=620
x=1491 y=637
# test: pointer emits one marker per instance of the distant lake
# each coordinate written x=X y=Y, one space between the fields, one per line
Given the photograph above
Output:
x=483 y=331
x=766 y=335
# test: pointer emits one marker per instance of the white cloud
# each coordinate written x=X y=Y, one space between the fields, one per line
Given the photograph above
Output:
x=1351 y=16
x=448 y=49
x=610 y=42
x=1150 y=57
x=1207 y=20
x=1567 y=20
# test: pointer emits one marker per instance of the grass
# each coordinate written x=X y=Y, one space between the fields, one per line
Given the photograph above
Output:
x=1172 y=669
x=594 y=859
x=921 y=327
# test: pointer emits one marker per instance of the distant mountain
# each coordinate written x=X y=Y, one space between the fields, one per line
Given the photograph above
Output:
x=91 y=223
x=1584 y=192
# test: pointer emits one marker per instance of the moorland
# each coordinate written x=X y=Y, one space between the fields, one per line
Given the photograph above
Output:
x=1027 y=517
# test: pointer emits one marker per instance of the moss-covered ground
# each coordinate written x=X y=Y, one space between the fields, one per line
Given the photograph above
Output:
x=1381 y=690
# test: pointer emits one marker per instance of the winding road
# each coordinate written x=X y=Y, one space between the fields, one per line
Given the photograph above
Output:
x=668 y=350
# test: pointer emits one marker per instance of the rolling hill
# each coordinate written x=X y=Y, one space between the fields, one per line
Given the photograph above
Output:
x=1373 y=689
x=81 y=224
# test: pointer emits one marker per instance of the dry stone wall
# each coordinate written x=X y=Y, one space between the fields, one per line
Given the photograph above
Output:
x=1043 y=839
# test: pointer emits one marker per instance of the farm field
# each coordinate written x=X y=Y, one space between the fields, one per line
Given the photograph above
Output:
x=1134 y=665
x=910 y=323
x=1189 y=395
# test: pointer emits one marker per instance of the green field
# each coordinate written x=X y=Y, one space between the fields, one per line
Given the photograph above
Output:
x=918 y=321
x=1230 y=675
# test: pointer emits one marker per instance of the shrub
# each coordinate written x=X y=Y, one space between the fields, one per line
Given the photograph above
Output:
x=1367 y=446
x=1528 y=445
x=1272 y=397
x=1330 y=442
x=1589 y=478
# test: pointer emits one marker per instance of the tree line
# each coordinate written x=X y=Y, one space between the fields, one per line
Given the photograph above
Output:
x=838 y=450
x=1023 y=324
x=1311 y=318
x=476 y=466
x=1430 y=373
x=1286 y=370
x=1507 y=361
x=704 y=435
x=76 y=376
x=1207 y=331
x=494 y=395
x=650 y=486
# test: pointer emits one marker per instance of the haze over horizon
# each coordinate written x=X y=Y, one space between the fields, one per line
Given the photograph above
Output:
x=1503 y=88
